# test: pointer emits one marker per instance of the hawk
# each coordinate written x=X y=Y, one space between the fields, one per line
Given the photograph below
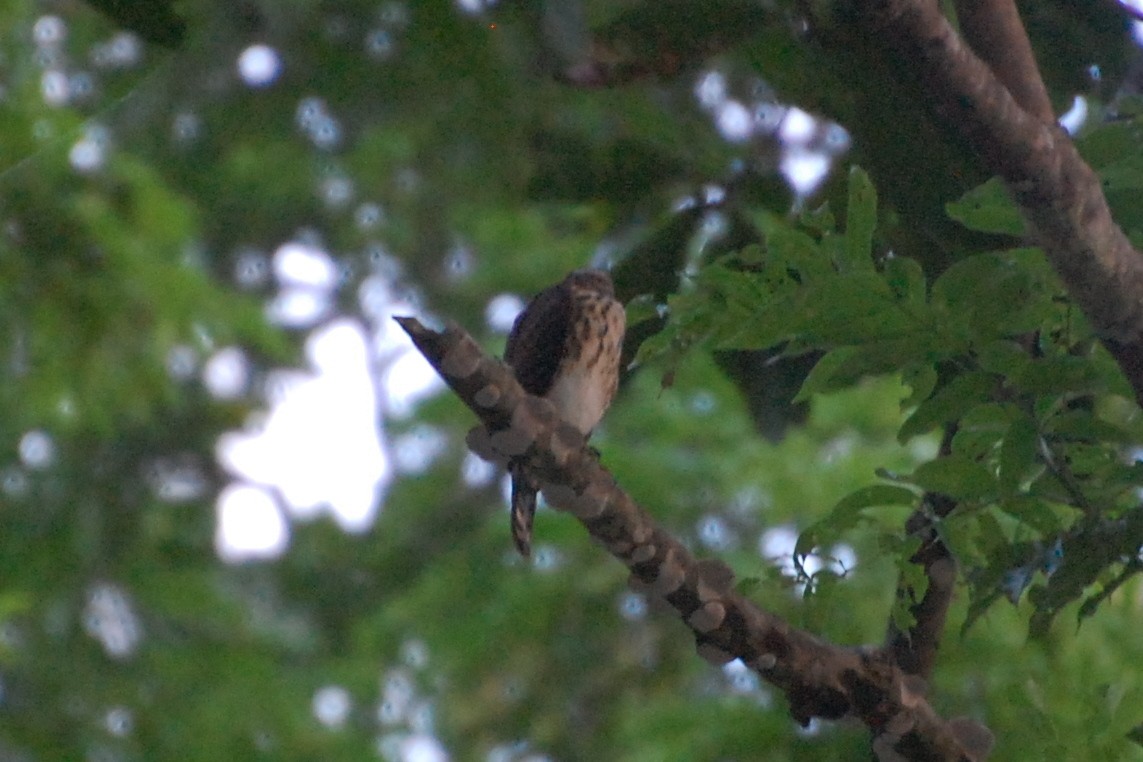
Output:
x=565 y=347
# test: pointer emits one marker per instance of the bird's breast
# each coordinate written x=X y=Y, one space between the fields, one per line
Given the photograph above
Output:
x=586 y=379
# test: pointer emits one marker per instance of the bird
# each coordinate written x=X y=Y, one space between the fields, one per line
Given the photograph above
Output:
x=565 y=347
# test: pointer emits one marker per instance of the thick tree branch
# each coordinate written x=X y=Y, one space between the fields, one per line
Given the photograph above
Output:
x=993 y=29
x=818 y=678
x=1058 y=194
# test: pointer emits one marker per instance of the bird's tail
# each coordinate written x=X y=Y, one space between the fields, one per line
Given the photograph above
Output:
x=523 y=510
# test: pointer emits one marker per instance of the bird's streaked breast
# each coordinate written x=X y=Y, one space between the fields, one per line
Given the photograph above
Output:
x=589 y=374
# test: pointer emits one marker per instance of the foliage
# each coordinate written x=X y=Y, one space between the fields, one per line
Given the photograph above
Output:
x=442 y=154
x=992 y=348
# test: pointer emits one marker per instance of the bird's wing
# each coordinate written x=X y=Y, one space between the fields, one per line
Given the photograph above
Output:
x=536 y=344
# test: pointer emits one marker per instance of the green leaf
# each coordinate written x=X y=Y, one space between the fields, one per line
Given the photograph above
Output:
x=987 y=208
x=792 y=251
x=993 y=416
x=771 y=324
x=874 y=495
x=860 y=221
x=1084 y=426
x=979 y=445
x=1018 y=453
x=1110 y=143
x=843 y=367
x=1124 y=175
x=1003 y=357
x=911 y=578
x=831 y=372
x=682 y=332
x=811 y=538
x=643 y=307
x=997 y=293
x=1062 y=374
x=949 y=403
x=905 y=276
x=1034 y=512
x=819 y=220
x=956 y=476
x=921 y=379
x=849 y=512
x=854 y=308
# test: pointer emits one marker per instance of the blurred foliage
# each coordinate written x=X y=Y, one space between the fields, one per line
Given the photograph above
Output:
x=446 y=154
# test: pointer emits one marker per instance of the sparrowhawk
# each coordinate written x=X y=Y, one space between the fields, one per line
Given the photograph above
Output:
x=565 y=347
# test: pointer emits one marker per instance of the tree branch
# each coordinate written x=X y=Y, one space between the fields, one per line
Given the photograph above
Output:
x=994 y=30
x=819 y=679
x=915 y=650
x=1058 y=194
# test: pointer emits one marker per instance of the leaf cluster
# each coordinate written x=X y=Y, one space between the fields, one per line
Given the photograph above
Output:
x=1039 y=431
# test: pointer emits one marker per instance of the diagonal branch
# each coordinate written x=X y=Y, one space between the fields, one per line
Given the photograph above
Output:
x=994 y=30
x=1057 y=193
x=819 y=679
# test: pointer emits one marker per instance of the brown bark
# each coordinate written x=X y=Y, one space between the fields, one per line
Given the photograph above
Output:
x=993 y=29
x=818 y=678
